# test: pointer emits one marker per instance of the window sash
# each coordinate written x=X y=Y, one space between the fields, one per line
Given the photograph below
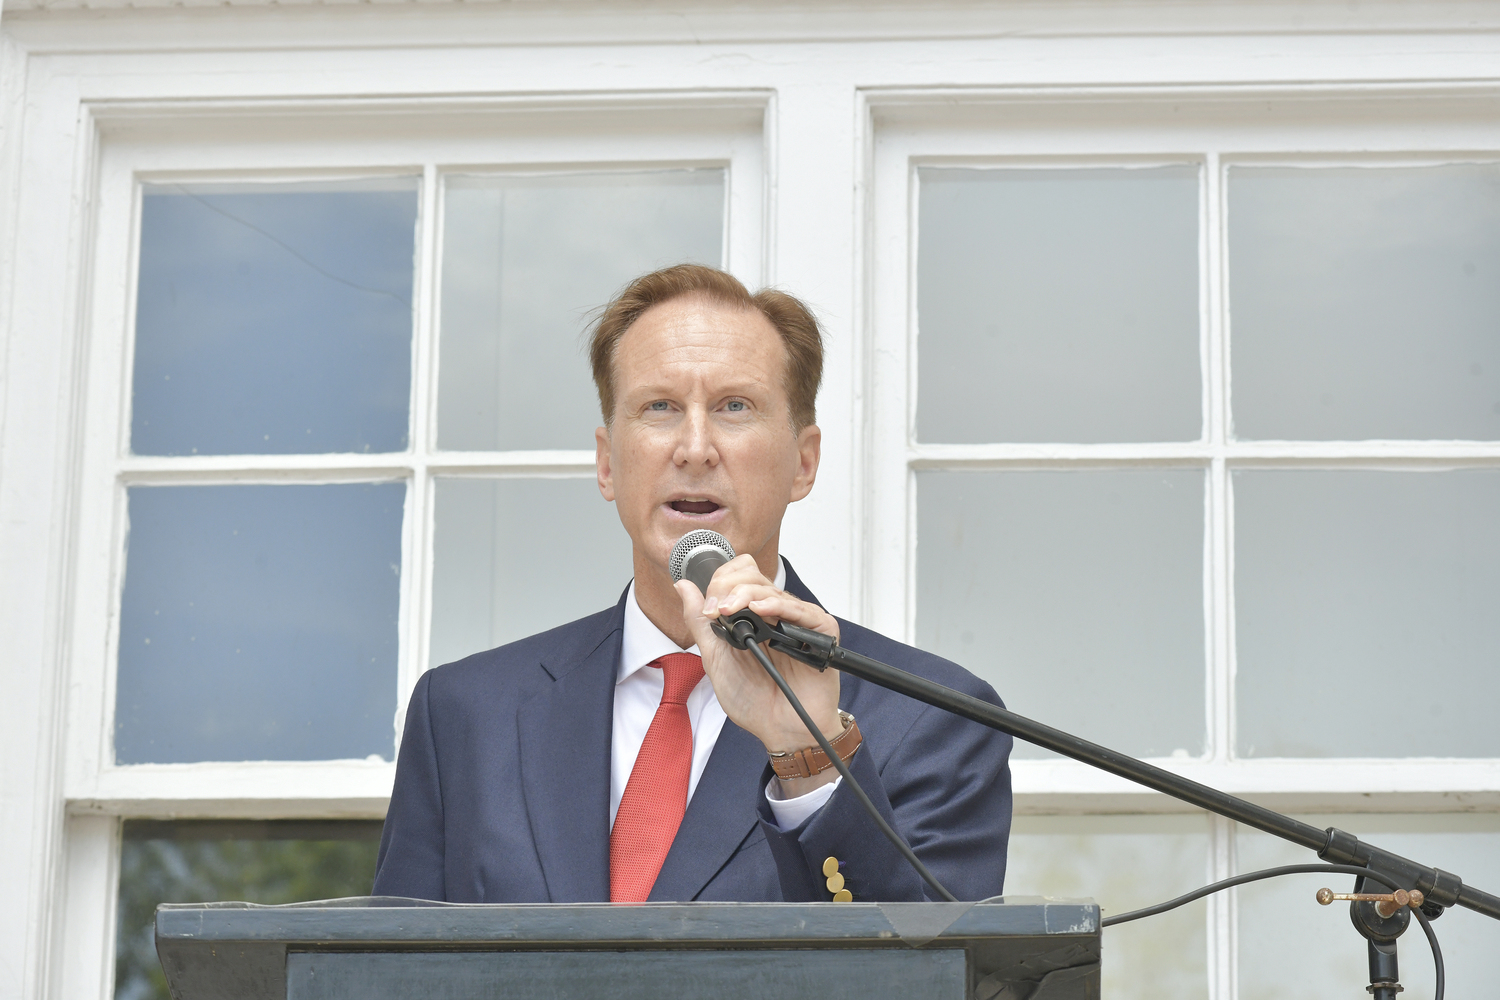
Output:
x=677 y=131
x=1057 y=130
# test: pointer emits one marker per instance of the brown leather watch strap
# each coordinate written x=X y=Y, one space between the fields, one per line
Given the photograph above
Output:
x=812 y=760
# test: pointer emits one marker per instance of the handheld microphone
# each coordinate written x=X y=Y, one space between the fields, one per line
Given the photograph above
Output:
x=696 y=557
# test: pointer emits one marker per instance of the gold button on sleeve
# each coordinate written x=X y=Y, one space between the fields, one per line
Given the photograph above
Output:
x=843 y=896
x=835 y=882
x=830 y=867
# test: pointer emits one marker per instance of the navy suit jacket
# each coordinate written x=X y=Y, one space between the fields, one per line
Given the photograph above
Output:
x=502 y=787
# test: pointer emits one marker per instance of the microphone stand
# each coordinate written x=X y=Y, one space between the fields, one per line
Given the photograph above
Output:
x=1440 y=889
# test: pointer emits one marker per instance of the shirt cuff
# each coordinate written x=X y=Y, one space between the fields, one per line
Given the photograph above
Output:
x=792 y=813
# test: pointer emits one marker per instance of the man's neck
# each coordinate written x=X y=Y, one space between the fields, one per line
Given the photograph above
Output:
x=660 y=603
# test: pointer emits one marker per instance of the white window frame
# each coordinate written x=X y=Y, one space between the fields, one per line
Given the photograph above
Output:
x=1215 y=128
x=73 y=81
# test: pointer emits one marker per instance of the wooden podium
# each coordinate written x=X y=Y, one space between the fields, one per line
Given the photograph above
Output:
x=1022 y=948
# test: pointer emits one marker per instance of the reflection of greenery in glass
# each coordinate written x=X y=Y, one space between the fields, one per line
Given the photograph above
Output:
x=257 y=862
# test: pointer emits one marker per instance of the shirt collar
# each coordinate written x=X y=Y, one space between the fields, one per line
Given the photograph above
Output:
x=643 y=642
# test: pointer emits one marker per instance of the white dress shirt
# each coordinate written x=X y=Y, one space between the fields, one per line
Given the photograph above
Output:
x=638 y=691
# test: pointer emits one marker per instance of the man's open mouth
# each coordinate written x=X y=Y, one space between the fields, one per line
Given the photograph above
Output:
x=694 y=506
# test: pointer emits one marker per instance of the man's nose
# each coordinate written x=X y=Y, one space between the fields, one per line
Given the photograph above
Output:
x=695 y=444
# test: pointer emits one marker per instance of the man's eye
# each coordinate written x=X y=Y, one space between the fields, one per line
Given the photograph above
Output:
x=660 y=404
x=735 y=405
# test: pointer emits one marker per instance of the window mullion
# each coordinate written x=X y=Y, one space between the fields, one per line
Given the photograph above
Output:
x=1223 y=941
x=1218 y=540
x=417 y=531
x=889 y=546
x=1223 y=936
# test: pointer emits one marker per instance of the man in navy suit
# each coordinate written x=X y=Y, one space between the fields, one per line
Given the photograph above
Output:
x=633 y=756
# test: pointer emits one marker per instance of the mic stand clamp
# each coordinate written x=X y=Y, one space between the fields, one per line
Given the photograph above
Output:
x=744 y=628
x=812 y=648
x=1381 y=917
x=1381 y=933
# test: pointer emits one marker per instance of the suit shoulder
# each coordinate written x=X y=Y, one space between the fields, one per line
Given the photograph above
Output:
x=914 y=660
x=515 y=660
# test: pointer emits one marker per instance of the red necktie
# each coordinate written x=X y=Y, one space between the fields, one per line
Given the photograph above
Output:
x=656 y=794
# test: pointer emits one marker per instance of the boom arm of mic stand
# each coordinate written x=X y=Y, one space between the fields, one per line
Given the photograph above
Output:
x=1333 y=845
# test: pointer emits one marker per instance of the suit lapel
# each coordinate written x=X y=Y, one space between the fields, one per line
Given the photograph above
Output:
x=565 y=757
x=718 y=818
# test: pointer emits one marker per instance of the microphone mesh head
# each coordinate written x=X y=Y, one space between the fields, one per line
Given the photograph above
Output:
x=677 y=561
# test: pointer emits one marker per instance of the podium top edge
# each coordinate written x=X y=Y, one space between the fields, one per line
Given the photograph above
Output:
x=407 y=902
x=398 y=921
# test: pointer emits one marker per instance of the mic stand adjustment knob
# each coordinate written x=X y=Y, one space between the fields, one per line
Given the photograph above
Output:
x=1386 y=903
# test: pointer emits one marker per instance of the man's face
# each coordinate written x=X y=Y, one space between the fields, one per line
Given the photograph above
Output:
x=702 y=435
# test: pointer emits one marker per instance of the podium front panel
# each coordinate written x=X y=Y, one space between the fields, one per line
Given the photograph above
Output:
x=1019 y=948
x=843 y=974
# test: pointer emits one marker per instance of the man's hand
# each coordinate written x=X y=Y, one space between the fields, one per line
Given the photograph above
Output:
x=748 y=695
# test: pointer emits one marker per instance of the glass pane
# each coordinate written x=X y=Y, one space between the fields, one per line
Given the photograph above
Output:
x=509 y=560
x=525 y=261
x=255 y=862
x=1365 y=301
x=1125 y=863
x=1293 y=949
x=1091 y=585
x=1058 y=305
x=274 y=318
x=1361 y=593
x=259 y=623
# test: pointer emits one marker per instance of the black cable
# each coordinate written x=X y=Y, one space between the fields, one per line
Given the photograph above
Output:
x=1437 y=953
x=1230 y=883
x=843 y=769
x=1265 y=873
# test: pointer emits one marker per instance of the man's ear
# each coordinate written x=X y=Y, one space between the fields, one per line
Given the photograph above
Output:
x=602 y=468
x=809 y=452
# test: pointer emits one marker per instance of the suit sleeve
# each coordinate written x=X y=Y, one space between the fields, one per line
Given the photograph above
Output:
x=945 y=788
x=411 y=843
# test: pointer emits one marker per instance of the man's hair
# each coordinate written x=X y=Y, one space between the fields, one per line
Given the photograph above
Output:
x=800 y=334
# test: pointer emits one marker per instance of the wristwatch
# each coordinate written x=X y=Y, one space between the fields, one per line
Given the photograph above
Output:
x=812 y=760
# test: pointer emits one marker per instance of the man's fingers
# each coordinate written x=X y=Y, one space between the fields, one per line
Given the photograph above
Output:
x=738 y=597
x=738 y=571
x=786 y=608
x=739 y=584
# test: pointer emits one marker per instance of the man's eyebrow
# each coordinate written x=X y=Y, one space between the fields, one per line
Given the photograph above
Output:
x=651 y=390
